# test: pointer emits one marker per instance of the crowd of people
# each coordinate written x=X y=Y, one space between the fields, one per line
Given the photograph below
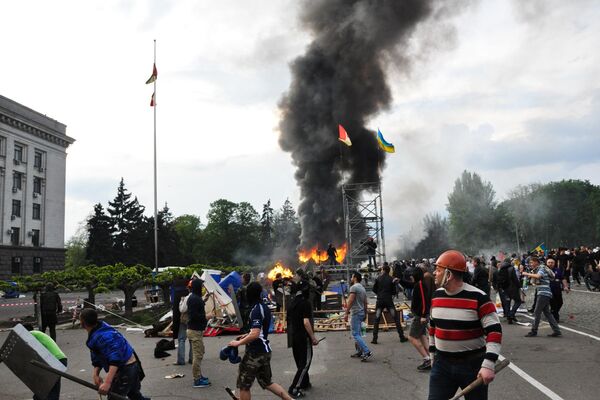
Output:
x=454 y=328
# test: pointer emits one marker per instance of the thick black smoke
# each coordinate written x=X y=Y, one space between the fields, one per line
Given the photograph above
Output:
x=341 y=80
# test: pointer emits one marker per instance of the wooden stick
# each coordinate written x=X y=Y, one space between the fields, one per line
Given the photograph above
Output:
x=479 y=381
x=74 y=379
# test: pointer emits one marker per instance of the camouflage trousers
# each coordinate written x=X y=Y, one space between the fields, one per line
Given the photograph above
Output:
x=255 y=366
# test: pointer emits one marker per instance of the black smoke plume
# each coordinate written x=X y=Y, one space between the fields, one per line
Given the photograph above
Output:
x=341 y=80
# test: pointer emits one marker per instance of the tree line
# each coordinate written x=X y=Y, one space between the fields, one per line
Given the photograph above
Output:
x=559 y=214
x=234 y=234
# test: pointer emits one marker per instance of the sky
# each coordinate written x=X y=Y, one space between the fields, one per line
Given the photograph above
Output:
x=507 y=89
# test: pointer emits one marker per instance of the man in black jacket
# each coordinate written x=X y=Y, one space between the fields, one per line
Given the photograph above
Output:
x=385 y=289
x=420 y=307
x=50 y=306
x=195 y=332
x=481 y=276
x=509 y=290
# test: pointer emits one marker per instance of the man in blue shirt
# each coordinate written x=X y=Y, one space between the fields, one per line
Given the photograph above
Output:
x=111 y=352
x=256 y=363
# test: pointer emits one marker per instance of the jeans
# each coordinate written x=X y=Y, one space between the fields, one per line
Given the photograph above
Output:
x=509 y=312
x=55 y=391
x=197 y=341
x=384 y=305
x=127 y=383
x=181 y=338
x=542 y=305
x=447 y=375
x=355 y=323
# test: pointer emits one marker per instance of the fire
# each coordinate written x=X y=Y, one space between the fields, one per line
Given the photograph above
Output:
x=320 y=255
x=279 y=268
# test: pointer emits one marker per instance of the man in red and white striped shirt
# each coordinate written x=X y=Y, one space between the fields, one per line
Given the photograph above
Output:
x=465 y=332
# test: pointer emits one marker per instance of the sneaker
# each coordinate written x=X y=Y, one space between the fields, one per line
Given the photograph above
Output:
x=555 y=334
x=296 y=394
x=358 y=354
x=531 y=334
x=366 y=357
x=201 y=382
x=425 y=366
x=403 y=339
x=374 y=341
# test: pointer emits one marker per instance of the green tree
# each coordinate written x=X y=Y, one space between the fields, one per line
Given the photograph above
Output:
x=286 y=228
x=266 y=227
x=219 y=238
x=128 y=280
x=76 y=246
x=130 y=226
x=189 y=237
x=246 y=234
x=168 y=253
x=100 y=237
x=474 y=221
x=436 y=238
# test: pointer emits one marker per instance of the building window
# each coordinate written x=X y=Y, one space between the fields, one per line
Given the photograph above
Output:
x=37 y=265
x=17 y=180
x=37 y=159
x=35 y=237
x=16 y=208
x=37 y=212
x=14 y=236
x=37 y=185
x=2 y=146
x=16 y=265
x=18 y=153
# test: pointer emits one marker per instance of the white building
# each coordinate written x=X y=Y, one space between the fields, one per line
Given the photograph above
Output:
x=32 y=190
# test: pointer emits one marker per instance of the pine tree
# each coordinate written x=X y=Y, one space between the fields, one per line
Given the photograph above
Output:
x=266 y=226
x=129 y=223
x=100 y=237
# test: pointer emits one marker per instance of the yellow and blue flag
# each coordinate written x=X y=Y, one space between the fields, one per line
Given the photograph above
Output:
x=541 y=247
x=385 y=146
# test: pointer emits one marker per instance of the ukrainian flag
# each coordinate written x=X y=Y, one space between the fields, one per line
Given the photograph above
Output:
x=385 y=146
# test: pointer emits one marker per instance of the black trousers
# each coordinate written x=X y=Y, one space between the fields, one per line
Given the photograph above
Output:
x=556 y=303
x=303 y=354
x=49 y=321
x=386 y=305
x=578 y=271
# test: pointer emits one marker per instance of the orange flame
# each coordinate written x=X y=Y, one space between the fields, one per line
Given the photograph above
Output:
x=320 y=255
x=279 y=268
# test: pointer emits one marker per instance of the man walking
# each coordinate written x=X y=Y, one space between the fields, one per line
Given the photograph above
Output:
x=357 y=308
x=301 y=336
x=543 y=297
x=385 y=289
x=465 y=333
x=195 y=332
x=557 y=285
x=509 y=288
x=420 y=307
x=256 y=363
x=111 y=352
x=50 y=307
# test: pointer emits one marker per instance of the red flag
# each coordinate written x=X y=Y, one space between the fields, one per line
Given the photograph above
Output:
x=152 y=103
x=344 y=138
x=153 y=76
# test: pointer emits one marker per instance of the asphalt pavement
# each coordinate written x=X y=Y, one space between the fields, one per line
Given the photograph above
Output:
x=542 y=368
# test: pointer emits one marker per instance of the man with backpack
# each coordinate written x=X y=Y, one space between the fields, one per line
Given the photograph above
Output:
x=509 y=290
x=544 y=275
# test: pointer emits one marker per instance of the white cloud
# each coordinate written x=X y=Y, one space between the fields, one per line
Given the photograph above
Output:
x=223 y=66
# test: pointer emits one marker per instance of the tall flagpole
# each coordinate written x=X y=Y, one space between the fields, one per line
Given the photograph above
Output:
x=155 y=186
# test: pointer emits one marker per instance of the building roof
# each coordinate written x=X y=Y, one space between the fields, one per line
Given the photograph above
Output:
x=27 y=120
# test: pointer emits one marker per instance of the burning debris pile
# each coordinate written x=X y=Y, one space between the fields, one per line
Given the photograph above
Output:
x=341 y=80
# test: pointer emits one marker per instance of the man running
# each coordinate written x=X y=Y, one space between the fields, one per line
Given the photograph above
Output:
x=256 y=363
x=465 y=333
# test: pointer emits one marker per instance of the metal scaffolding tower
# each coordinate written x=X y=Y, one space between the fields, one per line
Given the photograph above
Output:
x=363 y=217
